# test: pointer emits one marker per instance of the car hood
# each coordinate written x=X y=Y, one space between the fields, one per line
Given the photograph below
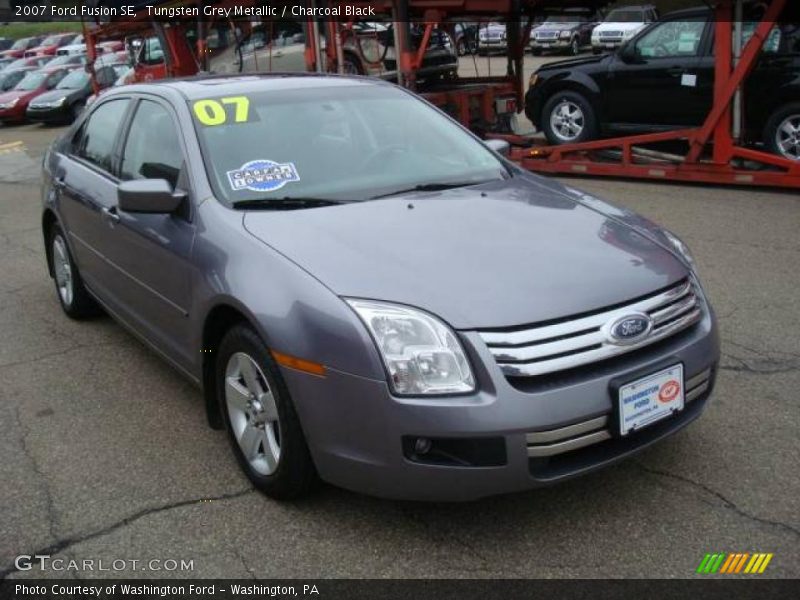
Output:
x=610 y=26
x=11 y=94
x=558 y=26
x=572 y=63
x=515 y=254
x=56 y=94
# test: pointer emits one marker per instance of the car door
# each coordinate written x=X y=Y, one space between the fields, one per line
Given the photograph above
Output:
x=86 y=190
x=652 y=82
x=151 y=251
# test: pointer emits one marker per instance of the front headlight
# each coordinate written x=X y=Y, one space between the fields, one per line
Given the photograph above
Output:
x=565 y=34
x=629 y=34
x=12 y=103
x=58 y=102
x=681 y=248
x=422 y=355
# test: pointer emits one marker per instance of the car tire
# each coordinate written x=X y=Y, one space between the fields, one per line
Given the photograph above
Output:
x=75 y=300
x=260 y=418
x=461 y=47
x=575 y=47
x=782 y=132
x=568 y=118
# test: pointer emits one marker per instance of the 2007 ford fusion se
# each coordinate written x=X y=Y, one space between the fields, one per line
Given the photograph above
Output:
x=370 y=295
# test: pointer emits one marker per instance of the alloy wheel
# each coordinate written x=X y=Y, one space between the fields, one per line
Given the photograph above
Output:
x=63 y=270
x=253 y=413
x=787 y=138
x=567 y=121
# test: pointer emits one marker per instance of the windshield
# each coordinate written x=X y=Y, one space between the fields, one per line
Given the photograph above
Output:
x=343 y=143
x=9 y=80
x=21 y=43
x=66 y=59
x=51 y=41
x=625 y=16
x=31 y=81
x=74 y=80
x=564 y=19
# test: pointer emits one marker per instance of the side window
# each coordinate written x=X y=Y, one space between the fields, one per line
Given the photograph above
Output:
x=152 y=150
x=97 y=136
x=672 y=39
x=151 y=53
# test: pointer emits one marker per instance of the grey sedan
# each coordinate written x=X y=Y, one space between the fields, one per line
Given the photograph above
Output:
x=369 y=295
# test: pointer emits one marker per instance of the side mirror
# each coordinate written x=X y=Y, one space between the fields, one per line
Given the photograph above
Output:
x=148 y=196
x=628 y=53
x=502 y=147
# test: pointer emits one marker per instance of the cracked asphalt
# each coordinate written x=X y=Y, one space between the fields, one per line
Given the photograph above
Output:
x=106 y=453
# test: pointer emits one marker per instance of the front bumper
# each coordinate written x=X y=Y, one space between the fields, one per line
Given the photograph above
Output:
x=497 y=45
x=507 y=437
x=48 y=114
x=15 y=114
x=551 y=44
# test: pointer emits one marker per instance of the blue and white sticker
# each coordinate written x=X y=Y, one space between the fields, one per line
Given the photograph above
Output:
x=262 y=176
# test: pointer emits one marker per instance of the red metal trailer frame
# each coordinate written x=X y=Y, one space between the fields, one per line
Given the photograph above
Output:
x=725 y=163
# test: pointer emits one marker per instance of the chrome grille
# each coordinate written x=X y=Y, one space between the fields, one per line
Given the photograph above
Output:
x=611 y=34
x=546 y=35
x=534 y=351
x=594 y=431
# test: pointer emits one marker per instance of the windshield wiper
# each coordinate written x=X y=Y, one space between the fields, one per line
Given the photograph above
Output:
x=432 y=187
x=286 y=203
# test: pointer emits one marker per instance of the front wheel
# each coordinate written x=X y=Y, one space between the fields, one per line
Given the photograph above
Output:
x=260 y=418
x=782 y=133
x=575 y=47
x=568 y=118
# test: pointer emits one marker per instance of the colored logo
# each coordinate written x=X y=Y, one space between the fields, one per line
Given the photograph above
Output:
x=629 y=329
x=262 y=176
x=734 y=563
x=669 y=391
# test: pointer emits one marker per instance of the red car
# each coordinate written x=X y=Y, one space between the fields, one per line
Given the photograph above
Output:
x=14 y=102
x=50 y=44
x=20 y=46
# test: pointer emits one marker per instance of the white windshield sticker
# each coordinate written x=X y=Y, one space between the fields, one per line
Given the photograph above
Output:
x=262 y=176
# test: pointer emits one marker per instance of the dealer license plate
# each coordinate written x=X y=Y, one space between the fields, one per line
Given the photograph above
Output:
x=650 y=399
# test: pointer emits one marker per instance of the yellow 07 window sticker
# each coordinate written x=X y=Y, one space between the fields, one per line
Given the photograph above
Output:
x=218 y=112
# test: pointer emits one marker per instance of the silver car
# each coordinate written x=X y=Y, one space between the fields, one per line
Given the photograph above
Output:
x=368 y=294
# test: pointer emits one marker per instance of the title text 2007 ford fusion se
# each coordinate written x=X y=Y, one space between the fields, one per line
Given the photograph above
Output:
x=368 y=294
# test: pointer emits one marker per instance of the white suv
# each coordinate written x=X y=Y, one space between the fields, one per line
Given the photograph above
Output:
x=620 y=25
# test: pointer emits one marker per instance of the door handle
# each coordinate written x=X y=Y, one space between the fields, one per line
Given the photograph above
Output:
x=111 y=215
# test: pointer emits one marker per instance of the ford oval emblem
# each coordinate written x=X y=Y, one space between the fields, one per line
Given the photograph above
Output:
x=629 y=329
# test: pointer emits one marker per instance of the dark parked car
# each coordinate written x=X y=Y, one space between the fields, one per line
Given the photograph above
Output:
x=568 y=31
x=65 y=102
x=14 y=102
x=329 y=259
x=664 y=79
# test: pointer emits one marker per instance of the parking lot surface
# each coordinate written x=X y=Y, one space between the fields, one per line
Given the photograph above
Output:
x=106 y=453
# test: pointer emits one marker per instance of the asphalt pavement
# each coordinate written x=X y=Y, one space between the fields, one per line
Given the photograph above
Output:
x=105 y=452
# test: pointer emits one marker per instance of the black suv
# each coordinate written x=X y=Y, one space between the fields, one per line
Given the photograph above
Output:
x=663 y=79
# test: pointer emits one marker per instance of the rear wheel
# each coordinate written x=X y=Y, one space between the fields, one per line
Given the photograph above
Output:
x=72 y=295
x=259 y=414
x=782 y=133
x=568 y=118
x=575 y=47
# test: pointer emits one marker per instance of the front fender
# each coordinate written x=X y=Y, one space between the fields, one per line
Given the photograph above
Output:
x=293 y=311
